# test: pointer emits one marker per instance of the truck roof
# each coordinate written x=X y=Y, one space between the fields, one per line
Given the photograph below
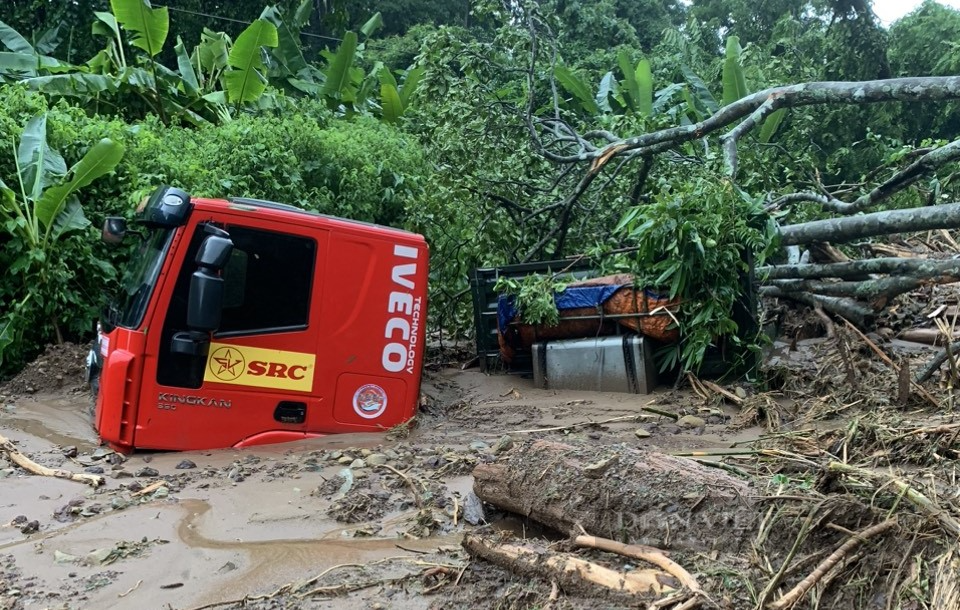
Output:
x=284 y=209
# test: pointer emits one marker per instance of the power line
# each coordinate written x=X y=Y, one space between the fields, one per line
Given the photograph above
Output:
x=240 y=21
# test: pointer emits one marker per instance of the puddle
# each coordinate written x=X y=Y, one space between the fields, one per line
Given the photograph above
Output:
x=61 y=420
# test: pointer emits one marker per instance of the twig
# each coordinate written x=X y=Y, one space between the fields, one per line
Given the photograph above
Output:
x=879 y=352
x=650 y=555
x=804 y=585
x=131 y=589
x=917 y=499
x=408 y=481
x=29 y=465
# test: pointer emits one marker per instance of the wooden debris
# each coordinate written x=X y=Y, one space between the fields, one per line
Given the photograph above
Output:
x=568 y=570
x=649 y=498
x=29 y=465
x=644 y=553
x=792 y=596
x=149 y=489
x=917 y=499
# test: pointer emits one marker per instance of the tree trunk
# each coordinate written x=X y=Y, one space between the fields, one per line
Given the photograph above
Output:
x=913 y=267
x=879 y=292
x=838 y=230
x=855 y=311
x=624 y=494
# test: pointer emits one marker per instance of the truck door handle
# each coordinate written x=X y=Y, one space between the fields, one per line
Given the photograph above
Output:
x=290 y=412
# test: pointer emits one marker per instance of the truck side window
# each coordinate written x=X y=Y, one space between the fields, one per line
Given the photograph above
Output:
x=267 y=282
x=267 y=287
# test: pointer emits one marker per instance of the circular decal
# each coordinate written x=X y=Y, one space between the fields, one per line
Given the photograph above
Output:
x=370 y=401
x=227 y=363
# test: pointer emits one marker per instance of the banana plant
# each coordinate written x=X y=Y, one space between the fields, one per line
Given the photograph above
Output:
x=43 y=209
x=735 y=88
x=395 y=100
x=246 y=79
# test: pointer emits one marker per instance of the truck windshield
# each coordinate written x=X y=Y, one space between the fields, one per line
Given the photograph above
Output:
x=140 y=277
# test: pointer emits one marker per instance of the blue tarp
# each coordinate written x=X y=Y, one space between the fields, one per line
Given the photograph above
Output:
x=574 y=297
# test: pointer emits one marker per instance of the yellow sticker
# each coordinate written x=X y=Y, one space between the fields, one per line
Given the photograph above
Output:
x=262 y=368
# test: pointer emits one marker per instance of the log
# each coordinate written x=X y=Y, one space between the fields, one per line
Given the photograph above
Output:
x=642 y=497
x=853 y=270
x=879 y=291
x=839 y=230
x=571 y=572
x=852 y=310
x=27 y=464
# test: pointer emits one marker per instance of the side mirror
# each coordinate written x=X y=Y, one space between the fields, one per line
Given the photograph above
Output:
x=114 y=229
x=205 y=301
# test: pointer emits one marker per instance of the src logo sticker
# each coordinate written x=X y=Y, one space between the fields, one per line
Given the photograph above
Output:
x=259 y=367
x=227 y=364
x=370 y=401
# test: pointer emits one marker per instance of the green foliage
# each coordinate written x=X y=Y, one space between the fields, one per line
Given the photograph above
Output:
x=246 y=81
x=150 y=25
x=534 y=297
x=693 y=244
x=36 y=218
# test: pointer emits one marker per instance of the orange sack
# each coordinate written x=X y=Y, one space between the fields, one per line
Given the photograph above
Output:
x=600 y=306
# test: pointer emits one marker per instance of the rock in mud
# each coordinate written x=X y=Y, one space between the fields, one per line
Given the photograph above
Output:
x=186 y=465
x=377 y=459
x=473 y=509
x=480 y=447
x=70 y=452
x=642 y=433
x=147 y=471
x=504 y=444
x=94 y=469
x=691 y=421
x=358 y=463
x=30 y=527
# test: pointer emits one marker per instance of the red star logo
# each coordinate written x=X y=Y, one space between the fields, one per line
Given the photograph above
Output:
x=227 y=363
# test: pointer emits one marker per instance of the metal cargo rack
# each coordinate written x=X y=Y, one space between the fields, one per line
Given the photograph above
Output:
x=721 y=361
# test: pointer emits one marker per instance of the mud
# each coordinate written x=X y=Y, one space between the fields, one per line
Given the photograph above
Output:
x=364 y=520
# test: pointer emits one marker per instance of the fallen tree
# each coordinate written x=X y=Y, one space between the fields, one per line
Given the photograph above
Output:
x=642 y=497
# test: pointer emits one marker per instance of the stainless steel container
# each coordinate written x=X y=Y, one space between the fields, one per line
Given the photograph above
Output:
x=603 y=364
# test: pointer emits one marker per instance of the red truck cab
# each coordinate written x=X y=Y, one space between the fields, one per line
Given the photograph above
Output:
x=245 y=322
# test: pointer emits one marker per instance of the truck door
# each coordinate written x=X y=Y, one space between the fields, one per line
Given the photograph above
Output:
x=256 y=382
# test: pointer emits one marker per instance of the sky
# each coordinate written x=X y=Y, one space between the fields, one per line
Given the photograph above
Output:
x=890 y=10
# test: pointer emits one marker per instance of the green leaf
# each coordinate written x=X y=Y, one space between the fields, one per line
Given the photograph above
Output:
x=576 y=87
x=49 y=40
x=372 y=25
x=71 y=218
x=770 y=125
x=701 y=93
x=14 y=41
x=734 y=84
x=246 y=82
x=338 y=72
x=629 y=80
x=288 y=52
x=150 y=25
x=608 y=87
x=106 y=25
x=644 y=80
x=302 y=15
x=188 y=75
x=390 y=102
x=75 y=84
x=212 y=50
x=410 y=83
x=100 y=159
x=386 y=77
x=40 y=165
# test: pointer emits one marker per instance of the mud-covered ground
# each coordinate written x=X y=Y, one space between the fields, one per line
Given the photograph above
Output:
x=371 y=520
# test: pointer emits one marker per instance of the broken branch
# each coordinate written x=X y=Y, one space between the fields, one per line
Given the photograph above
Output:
x=29 y=465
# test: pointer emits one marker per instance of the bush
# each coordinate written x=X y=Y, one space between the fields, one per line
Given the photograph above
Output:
x=360 y=168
